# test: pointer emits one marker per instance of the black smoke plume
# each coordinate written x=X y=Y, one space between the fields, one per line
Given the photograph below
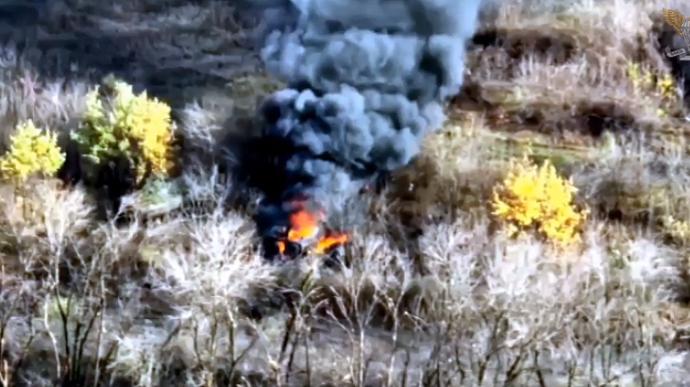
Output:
x=366 y=82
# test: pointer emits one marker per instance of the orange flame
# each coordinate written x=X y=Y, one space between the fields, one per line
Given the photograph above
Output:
x=330 y=241
x=305 y=225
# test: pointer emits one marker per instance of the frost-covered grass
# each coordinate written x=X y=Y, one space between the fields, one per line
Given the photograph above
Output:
x=433 y=293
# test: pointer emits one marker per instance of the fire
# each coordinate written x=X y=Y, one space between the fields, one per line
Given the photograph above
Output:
x=305 y=225
x=331 y=240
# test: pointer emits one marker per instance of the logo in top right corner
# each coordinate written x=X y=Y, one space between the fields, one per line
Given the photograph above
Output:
x=681 y=24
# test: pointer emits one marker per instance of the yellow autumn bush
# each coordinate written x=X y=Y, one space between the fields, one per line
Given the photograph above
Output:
x=536 y=198
x=650 y=83
x=32 y=151
x=126 y=125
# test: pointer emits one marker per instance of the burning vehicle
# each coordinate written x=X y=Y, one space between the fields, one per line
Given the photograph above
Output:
x=366 y=82
x=304 y=233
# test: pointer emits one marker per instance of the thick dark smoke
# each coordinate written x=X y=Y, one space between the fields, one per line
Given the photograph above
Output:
x=366 y=83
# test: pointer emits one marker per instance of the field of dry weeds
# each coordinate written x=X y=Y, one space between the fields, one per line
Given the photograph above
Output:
x=431 y=294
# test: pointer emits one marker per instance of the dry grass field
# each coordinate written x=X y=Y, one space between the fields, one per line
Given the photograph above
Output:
x=430 y=290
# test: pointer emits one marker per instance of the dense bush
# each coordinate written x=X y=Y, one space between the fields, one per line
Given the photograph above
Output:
x=32 y=151
x=536 y=197
x=126 y=126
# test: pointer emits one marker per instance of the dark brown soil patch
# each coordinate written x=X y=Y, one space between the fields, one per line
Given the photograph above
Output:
x=558 y=45
x=500 y=50
x=584 y=118
x=504 y=49
x=600 y=117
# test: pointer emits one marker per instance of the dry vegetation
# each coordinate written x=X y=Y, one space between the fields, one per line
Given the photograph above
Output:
x=433 y=292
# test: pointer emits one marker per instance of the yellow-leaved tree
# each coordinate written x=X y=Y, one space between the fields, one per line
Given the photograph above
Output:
x=537 y=198
x=124 y=125
x=32 y=152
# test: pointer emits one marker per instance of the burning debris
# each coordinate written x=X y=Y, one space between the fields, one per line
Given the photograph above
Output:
x=366 y=82
x=307 y=230
x=304 y=233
